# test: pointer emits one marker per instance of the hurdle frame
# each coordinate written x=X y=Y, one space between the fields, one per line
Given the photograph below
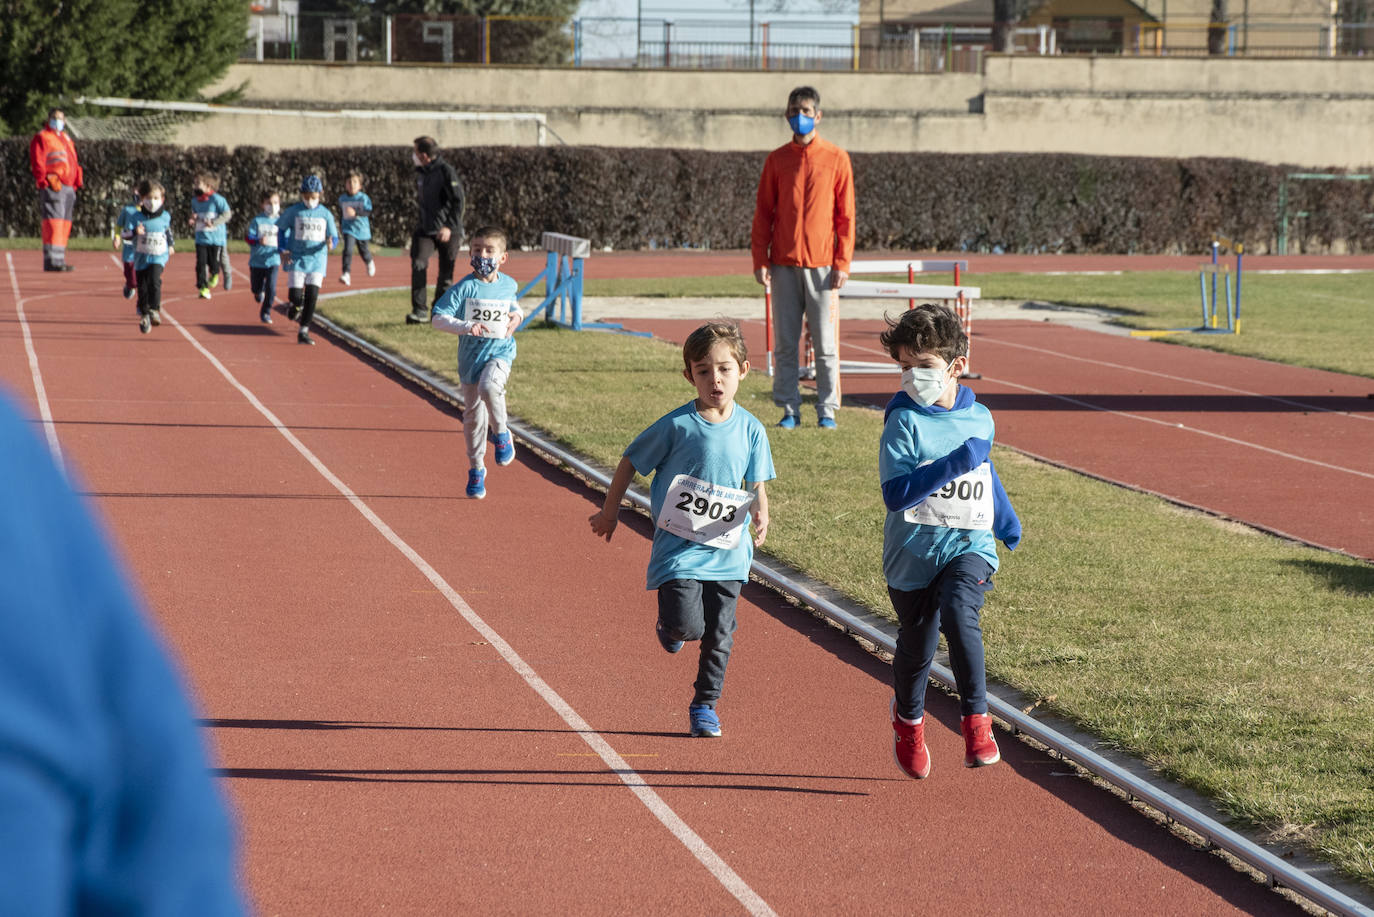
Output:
x=962 y=296
x=562 y=276
x=1209 y=302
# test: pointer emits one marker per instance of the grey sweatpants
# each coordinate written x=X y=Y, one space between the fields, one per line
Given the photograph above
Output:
x=484 y=404
x=798 y=292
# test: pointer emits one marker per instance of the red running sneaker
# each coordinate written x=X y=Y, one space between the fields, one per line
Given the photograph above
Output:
x=980 y=748
x=909 y=746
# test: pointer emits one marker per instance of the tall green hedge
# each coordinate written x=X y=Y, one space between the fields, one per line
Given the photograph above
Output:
x=635 y=198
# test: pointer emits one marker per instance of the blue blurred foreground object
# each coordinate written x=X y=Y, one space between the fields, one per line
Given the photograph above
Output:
x=107 y=805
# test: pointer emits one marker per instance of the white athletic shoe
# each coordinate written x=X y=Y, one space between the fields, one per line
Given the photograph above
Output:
x=345 y=279
x=372 y=269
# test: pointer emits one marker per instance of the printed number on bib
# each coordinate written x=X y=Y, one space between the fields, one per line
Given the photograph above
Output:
x=267 y=235
x=310 y=229
x=703 y=512
x=494 y=313
x=205 y=221
x=964 y=503
x=151 y=243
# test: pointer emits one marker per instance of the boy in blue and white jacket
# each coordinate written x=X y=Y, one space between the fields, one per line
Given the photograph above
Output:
x=355 y=207
x=152 y=240
x=945 y=510
x=209 y=214
x=125 y=223
x=263 y=257
x=710 y=459
x=305 y=236
x=482 y=308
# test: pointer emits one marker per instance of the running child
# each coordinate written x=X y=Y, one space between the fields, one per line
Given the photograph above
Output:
x=945 y=506
x=355 y=207
x=209 y=213
x=151 y=236
x=125 y=223
x=710 y=459
x=305 y=236
x=482 y=308
x=263 y=257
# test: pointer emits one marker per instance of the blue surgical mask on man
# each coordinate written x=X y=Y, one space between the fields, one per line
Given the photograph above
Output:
x=925 y=386
x=801 y=124
x=483 y=267
x=57 y=124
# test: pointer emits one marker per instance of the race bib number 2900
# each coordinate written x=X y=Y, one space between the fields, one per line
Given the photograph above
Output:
x=964 y=503
x=703 y=512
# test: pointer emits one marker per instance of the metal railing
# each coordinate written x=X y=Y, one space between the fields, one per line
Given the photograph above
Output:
x=737 y=45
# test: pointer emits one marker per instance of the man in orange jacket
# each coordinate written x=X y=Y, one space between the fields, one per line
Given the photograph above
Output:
x=52 y=157
x=802 y=242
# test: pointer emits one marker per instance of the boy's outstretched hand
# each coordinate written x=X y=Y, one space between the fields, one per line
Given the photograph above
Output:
x=760 y=527
x=604 y=526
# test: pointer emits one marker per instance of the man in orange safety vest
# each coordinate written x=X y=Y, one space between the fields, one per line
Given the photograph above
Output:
x=52 y=157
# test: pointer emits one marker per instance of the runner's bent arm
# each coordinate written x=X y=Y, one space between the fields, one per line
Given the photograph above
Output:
x=760 y=512
x=604 y=522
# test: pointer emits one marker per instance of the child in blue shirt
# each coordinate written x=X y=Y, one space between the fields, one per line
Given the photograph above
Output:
x=482 y=308
x=125 y=223
x=945 y=509
x=710 y=459
x=305 y=235
x=209 y=213
x=263 y=257
x=355 y=208
x=152 y=240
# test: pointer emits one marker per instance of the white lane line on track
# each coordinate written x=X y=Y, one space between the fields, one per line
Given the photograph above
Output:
x=1163 y=423
x=1172 y=378
x=698 y=847
x=40 y=393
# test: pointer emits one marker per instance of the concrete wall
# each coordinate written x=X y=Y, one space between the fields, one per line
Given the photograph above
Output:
x=1312 y=113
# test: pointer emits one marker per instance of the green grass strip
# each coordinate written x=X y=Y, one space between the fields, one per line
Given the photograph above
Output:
x=1236 y=663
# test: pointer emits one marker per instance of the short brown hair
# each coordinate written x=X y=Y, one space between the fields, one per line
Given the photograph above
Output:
x=354 y=174
x=700 y=342
x=148 y=186
x=427 y=145
x=928 y=328
x=211 y=179
x=495 y=233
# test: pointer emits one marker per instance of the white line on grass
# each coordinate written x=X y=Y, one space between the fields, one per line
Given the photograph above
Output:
x=1162 y=423
x=40 y=393
x=714 y=864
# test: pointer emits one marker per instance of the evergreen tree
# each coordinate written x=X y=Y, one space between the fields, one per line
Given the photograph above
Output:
x=52 y=51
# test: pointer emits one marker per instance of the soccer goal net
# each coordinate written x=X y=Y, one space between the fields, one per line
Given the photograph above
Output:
x=197 y=123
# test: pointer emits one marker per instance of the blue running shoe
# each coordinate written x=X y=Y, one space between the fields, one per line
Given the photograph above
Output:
x=705 y=723
x=670 y=645
x=505 y=449
x=789 y=421
x=827 y=423
x=477 y=489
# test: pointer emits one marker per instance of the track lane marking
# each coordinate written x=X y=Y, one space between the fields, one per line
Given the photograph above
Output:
x=39 y=391
x=615 y=762
x=1163 y=423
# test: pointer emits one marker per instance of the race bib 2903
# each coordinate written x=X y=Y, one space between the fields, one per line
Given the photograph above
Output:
x=703 y=512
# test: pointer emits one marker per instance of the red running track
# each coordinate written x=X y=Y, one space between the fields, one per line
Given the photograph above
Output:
x=350 y=624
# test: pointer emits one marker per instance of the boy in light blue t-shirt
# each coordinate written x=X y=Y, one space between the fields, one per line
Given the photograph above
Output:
x=151 y=236
x=945 y=509
x=710 y=459
x=209 y=214
x=355 y=208
x=482 y=309
x=305 y=236
x=263 y=257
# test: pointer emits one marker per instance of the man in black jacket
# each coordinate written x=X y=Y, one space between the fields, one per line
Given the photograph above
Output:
x=438 y=227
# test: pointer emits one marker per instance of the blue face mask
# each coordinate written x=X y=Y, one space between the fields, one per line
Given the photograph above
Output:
x=56 y=124
x=483 y=267
x=801 y=124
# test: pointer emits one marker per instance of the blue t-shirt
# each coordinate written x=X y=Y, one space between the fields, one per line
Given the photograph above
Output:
x=206 y=211
x=459 y=301
x=107 y=799
x=155 y=245
x=262 y=237
x=727 y=454
x=126 y=223
x=913 y=553
x=308 y=233
x=360 y=227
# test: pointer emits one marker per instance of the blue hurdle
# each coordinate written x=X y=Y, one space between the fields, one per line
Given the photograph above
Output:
x=562 y=276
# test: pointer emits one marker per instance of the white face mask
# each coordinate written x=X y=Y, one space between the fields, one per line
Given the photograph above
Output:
x=273 y=209
x=152 y=204
x=925 y=386
x=415 y=158
x=311 y=202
